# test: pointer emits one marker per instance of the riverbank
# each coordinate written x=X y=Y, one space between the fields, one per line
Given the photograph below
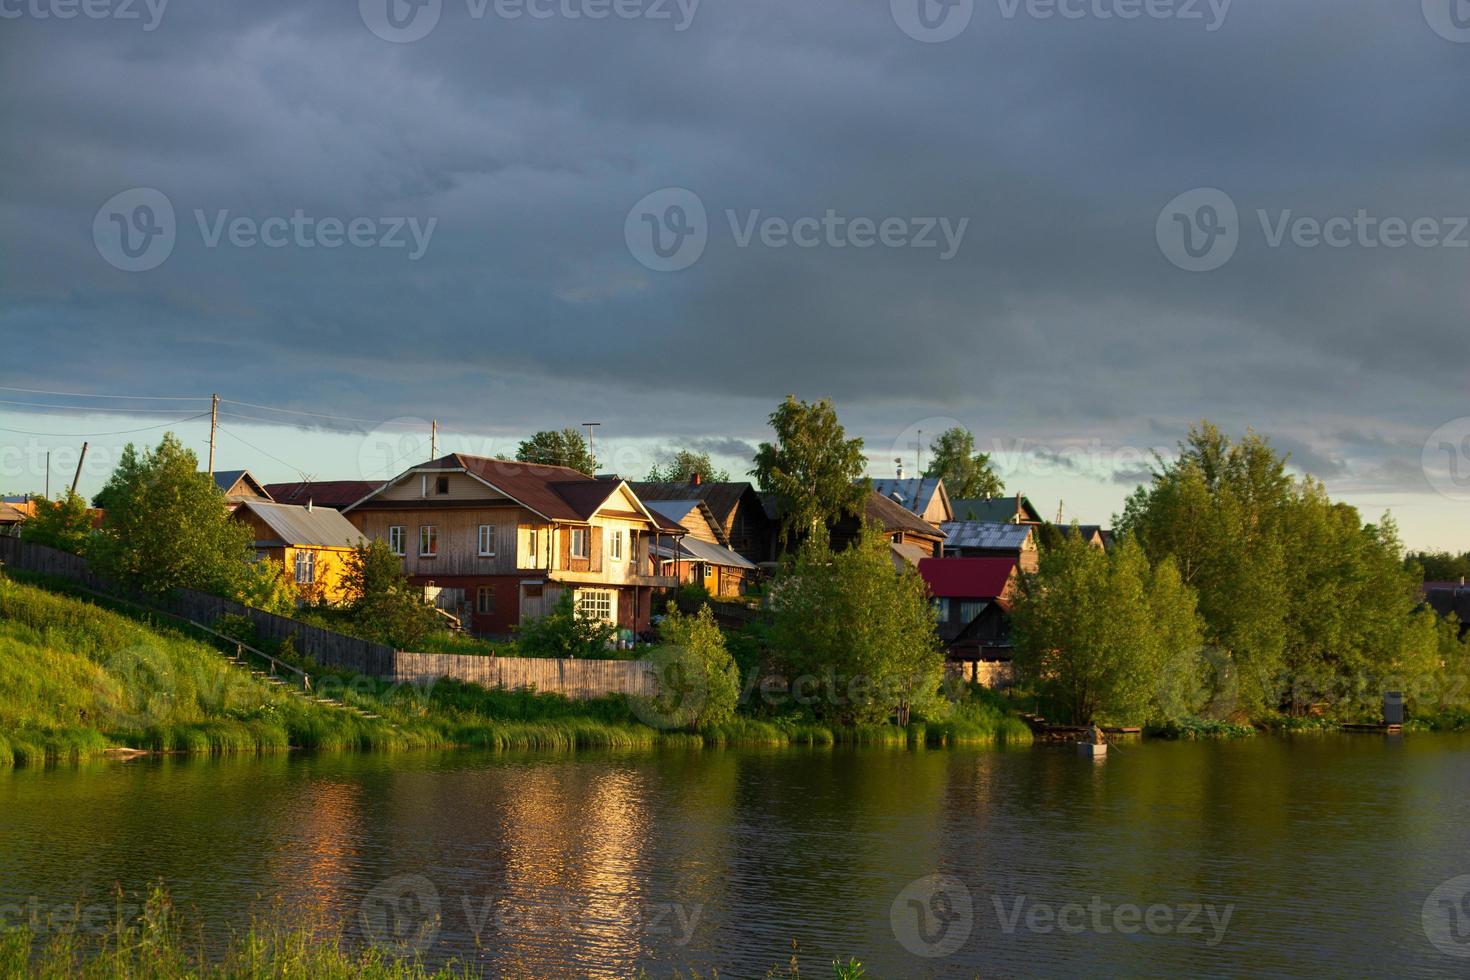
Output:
x=78 y=681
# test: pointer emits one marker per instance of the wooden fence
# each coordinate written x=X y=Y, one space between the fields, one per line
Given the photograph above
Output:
x=577 y=679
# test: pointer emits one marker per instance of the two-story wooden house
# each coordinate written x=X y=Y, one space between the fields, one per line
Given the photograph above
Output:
x=499 y=541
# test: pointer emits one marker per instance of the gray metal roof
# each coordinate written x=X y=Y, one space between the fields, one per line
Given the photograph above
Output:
x=320 y=527
x=914 y=493
x=693 y=549
x=674 y=510
x=991 y=535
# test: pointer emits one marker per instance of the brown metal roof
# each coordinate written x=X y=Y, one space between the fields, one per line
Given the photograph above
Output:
x=722 y=498
x=322 y=493
x=893 y=516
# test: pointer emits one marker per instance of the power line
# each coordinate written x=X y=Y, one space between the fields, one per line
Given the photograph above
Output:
x=117 y=432
x=298 y=470
x=317 y=415
x=83 y=394
x=98 y=409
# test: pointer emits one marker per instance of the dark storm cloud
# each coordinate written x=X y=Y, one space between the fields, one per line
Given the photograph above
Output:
x=528 y=141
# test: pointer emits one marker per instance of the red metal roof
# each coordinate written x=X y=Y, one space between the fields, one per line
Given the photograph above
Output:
x=326 y=493
x=967 y=578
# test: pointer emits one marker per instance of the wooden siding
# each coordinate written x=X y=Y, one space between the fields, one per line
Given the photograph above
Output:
x=422 y=486
x=458 y=533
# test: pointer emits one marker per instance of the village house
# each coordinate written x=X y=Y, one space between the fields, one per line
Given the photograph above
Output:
x=1000 y=510
x=748 y=528
x=496 y=542
x=986 y=539
x=312 y=543
x=922 y=496
x=972 y=599
x=239 y=485
x=15 y=511
x=703 y=554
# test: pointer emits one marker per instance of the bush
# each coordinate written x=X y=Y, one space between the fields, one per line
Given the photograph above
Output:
x=565 y=632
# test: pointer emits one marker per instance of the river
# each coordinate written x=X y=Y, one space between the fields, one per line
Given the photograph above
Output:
x=1314 y=855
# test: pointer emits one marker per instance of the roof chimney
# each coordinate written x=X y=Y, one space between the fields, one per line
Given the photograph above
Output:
x=697 y=479
x=899 y=461
x=308 y=505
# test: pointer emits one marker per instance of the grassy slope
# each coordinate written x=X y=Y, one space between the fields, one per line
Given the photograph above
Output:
x=77 y=680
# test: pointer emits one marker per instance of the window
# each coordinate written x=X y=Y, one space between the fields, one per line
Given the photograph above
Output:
x=395 y=539
x=533 y=538
x=615 y=544
x=305 y=567
x=441 y=485
x=485 y=600
x=579 y=542
x=597 y=603
x=487 y=540
x=428 y=541
x=709 y=571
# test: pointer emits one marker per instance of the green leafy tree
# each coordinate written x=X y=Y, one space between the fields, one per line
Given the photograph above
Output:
x=64 y=524
x=565 y=631
x=1439 y=566
x=685 y=465
x=966 y=473
x=167 y=526
x=385 y=607
x=813 y=468
x=862 y=632
x=266 y=586
x=1108 y=638
x=700 y=679
x=558 y=448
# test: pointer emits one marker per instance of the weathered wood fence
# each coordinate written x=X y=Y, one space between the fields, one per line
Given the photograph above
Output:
x=577 y=679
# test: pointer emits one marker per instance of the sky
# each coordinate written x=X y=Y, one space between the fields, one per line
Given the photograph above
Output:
x=1074 y=227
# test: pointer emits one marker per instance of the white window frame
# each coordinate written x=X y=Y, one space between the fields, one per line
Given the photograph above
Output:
x=615 y=544
x=533 y=544
x=431 y=539
x=487 y=540
x=398 y=539
x=579 y=533
x=307 y=559
x=596 y=602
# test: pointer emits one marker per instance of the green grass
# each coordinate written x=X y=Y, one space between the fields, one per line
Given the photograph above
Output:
x=77 y=680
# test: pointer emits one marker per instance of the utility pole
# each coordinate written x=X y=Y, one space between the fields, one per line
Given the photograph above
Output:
x=213 y=424
x=590 y=426
x=78 y=475
x=434 y=439
x=48 y=474
x=919 y=454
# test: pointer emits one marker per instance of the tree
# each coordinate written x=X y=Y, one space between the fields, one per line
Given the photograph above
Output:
x=812 y=467
x=853 y=634
x=699 y=682
x=1107 y=637
x=64 y=524
x=685 y=465
x=965 y=472
x=167 y=526
x=565 y=632
x=553 y=448
x=1439 y=566
x=385 y=607
x=266 y=586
